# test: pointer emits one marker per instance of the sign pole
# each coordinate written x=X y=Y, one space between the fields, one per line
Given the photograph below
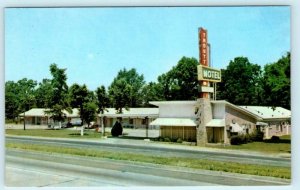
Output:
x=202 y=34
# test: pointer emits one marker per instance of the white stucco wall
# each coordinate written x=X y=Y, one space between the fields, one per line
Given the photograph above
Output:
x=218 y=111
x=177 y=111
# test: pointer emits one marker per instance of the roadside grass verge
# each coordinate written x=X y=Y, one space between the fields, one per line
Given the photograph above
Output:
x=283 y=145
x=61 y=133
x=261 y=170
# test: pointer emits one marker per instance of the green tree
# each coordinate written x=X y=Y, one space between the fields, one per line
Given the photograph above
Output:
x=180 y=83
x=88 y=113
x=59 y=99
x=102 y=104
x=120 y=95
x=152 y=92
x=19 y=97
x=78 y=96
x=136 y=83
x=26 y=94
x=43 y=94
x=277 y=83
x=11 y=100
x=241 y=83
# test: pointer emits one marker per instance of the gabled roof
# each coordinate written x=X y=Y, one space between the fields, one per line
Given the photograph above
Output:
x=238 y=108
x=184 y=102
x=40 y=112
x=35 y=112
x=132 y=112
x=110 y=112
x=267 y=112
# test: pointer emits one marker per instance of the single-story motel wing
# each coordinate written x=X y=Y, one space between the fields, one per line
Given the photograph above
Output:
x=203 y=121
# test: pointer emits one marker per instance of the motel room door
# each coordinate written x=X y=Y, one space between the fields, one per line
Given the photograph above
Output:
x=215 y=134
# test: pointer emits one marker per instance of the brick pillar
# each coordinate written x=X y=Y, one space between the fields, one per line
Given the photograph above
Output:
x=204 y=116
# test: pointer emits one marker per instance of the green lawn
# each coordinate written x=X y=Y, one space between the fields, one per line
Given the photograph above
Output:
x=61 y=133
x=281 y=146
x=234 y=167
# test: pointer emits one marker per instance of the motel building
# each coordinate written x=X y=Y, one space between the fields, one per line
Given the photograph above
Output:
x=205 y=120
x=39 y=116
x=202 y=121
x=215 y=121
x=134 y=118
x=208 y=120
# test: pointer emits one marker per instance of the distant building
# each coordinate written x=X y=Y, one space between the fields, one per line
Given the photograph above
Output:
x=38 y=116
x=132 y=118
x=276 y=121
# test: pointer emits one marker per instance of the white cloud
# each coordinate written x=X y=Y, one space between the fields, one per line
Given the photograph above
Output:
x=90 y=56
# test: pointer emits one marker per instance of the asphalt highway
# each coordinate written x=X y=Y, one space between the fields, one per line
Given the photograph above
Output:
x=33 y=169
x=159 y=151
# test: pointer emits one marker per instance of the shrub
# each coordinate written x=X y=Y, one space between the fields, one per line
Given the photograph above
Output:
x=179 y=140
x=117 y=129
x=235 y=140
x=275 y=138
x=248 y=138
x=257 y=136
x=240 y=139
x=167 y=139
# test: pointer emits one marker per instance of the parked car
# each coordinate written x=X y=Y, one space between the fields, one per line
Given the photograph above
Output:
x=76 y=123
x=66 y=125
x=93 y=125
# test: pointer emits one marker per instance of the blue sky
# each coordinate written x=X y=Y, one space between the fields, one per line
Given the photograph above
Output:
x=95 y=43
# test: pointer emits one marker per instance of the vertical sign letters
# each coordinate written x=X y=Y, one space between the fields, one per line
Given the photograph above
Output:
x=203 y=47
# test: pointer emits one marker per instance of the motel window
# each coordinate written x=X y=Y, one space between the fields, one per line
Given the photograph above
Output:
x=130 y=121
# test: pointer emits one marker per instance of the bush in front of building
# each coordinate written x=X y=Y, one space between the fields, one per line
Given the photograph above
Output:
x=275 y=139
x=257 y=136
x=179 y=140
x=236 y=140
x=117 y=129
x=167 y=139
x=240 y=139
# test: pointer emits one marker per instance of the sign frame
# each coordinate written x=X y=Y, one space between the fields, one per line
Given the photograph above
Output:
x=200 y=72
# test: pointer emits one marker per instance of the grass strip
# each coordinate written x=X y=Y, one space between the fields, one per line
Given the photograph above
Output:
x=260 y=170
x=61 y=133
x=258 y=146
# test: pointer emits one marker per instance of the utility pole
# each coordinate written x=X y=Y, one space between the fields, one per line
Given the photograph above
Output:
x=24 y=120
x=147 y=126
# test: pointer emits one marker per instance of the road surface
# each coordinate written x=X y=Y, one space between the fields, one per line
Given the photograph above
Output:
x=147 y=149
x=33 y=169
